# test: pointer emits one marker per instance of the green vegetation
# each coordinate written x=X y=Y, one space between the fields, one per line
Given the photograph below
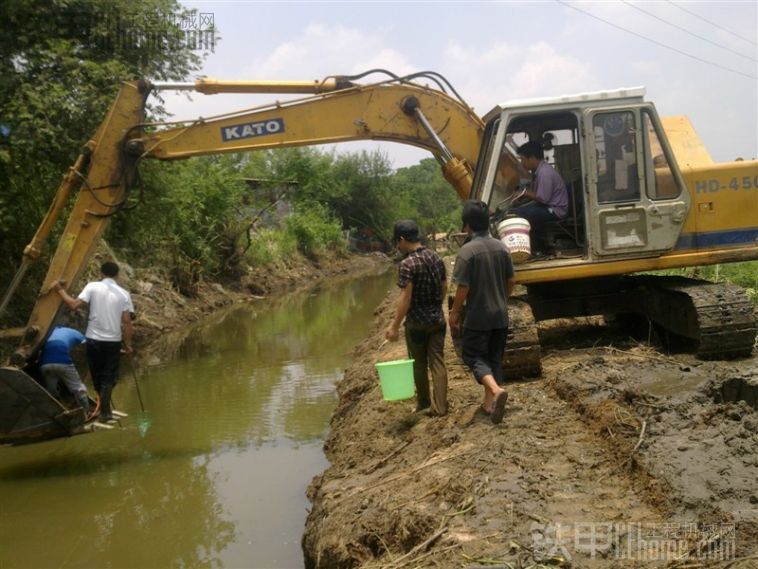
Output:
x=428 y=198
x=61 y=64
x=199 y=217
x=742 y=274
x=316 y=231
x=60 y=69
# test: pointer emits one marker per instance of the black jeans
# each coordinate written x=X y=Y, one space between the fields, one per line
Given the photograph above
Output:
x=483 y=352
x=103 y=360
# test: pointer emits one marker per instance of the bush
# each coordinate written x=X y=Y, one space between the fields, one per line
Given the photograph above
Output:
x=742 y=274
x=189 y=215
x=271 y=245
x=315 y=230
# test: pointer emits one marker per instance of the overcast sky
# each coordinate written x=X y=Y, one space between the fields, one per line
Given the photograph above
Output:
x=495 y=51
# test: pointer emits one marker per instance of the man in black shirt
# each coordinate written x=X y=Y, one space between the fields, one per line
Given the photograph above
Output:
x=484 y=275
x=422 y=279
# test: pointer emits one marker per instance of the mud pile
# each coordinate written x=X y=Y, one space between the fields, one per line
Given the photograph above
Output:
x=619 y=456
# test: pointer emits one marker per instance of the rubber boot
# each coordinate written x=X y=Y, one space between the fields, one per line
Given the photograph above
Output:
x=83 y=401
x=105 y=404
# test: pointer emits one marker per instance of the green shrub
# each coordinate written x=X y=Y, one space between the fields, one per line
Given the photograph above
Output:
x=189 y=212
x=261 y=251
x=315 y=230
x=741 y=274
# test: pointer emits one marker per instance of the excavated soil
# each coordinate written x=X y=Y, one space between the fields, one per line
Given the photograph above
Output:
x=618 y=456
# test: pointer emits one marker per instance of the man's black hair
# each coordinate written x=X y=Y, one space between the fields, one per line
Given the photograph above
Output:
x=531 y=149
x=109 y=269
x=407 y=229
x=475 y=215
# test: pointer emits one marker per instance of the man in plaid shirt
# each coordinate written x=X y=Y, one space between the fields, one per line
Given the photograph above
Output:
x=422 y=279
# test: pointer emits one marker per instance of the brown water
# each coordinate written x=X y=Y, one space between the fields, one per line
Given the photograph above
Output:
x=218 y=478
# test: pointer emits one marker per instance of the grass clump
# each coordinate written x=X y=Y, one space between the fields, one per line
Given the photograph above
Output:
x=743 y=274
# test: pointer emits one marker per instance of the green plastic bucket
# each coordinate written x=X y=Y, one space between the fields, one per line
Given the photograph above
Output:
x=396 y=379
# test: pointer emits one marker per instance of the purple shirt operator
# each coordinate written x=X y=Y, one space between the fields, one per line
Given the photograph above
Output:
x=551 y=189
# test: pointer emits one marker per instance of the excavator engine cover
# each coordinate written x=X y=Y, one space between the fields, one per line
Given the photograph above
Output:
x=30 y=414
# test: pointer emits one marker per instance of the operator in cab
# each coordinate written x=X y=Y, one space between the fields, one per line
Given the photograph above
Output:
x=547 y=194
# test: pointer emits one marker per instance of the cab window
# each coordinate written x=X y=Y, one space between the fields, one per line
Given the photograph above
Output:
x=616 y=156
x=507 y=175
x=661 y=183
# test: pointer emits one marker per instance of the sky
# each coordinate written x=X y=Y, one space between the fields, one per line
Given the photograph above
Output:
x=694 y=58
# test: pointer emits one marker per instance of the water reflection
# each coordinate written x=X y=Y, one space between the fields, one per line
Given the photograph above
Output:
x=219 y=478
x=79 y=503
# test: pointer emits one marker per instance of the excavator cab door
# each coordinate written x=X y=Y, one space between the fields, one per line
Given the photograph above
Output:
x=636 y=193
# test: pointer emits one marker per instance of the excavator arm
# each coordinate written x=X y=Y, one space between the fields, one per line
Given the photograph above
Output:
x=392 y=111
x=386 y=111
x=338 y=110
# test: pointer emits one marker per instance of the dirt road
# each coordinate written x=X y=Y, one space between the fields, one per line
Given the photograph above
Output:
x=618 y=456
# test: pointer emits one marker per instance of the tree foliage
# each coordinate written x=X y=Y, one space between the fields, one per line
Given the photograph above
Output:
x=190 y=215
x=426 y=197
x=60 y=72
x=361 y=189
x=60 y=69
x=61 y=64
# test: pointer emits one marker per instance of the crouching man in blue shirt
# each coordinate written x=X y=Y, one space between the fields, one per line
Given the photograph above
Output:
x=57 y=366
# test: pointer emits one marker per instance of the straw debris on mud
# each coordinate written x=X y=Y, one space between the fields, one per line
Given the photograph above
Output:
x=618 y=456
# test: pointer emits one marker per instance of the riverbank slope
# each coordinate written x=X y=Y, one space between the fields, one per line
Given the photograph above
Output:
x=618 y=456
x=161 y=309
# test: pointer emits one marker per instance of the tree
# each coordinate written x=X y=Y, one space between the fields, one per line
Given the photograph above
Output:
x=355 y=187
x=189 y=221
x=60 y=68
x=428 y=198
x=366 y=199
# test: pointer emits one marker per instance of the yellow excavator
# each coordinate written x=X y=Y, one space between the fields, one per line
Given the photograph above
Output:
x=644 y=195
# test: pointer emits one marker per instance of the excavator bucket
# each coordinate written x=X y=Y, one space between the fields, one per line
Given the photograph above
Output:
x=29 y=414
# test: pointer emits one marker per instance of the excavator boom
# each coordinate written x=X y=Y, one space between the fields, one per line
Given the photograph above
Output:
x=338 y=110
x=369 y=112
x=384 y=111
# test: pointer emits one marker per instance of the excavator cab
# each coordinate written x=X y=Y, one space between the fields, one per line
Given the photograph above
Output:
x=558 y=134
x=626 y=195
x=630 y=212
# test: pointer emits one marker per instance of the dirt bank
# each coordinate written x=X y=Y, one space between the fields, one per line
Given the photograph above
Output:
x=619 y=456
x=162 y=309
x=163 y=313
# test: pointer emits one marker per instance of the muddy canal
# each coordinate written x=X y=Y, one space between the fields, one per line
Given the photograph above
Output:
x=216 y=475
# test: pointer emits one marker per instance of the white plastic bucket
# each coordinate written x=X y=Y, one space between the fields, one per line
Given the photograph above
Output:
x=514 y=232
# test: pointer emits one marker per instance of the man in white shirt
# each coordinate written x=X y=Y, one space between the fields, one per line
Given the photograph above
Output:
x=109 y=326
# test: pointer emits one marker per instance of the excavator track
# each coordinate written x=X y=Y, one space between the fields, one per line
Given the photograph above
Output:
x=522 y=351
x=719 y=318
